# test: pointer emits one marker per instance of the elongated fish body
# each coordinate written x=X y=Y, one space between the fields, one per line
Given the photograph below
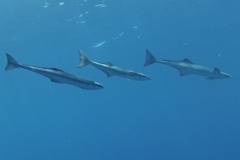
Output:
x=55 y=75
x=110 y=70
x=187 y=67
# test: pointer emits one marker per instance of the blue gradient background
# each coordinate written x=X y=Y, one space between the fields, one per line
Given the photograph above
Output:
x=168 y=118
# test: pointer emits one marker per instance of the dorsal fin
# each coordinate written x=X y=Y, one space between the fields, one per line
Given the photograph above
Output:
x=109 y=64
x=216 y=70
x=187 y=61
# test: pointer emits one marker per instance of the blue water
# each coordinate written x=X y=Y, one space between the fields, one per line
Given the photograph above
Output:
x=167 y=118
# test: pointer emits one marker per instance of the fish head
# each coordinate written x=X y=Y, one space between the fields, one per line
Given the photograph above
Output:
x=138 y=76
x=97 y=85
x=217 y=74
x=225 y=75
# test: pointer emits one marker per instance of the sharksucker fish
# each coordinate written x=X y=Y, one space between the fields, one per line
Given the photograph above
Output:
x=54 y=74
x=111 y=70
x=187 y=67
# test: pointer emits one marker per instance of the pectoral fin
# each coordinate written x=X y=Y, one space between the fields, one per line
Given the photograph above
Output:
x=107 y=74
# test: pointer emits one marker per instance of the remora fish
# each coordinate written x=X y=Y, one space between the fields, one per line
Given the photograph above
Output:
x=110 y=70
x=55 y=75
x=187 y=67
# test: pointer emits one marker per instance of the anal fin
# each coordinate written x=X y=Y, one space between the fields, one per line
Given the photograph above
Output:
x=184 y=73
x=55 y=80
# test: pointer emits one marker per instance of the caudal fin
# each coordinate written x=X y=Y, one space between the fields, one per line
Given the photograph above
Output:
x=150 y=59
x=84 y=60
x=11 y=63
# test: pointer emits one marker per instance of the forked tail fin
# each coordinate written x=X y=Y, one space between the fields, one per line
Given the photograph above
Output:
x=150 y=59
x=84 y=60
x=11 y=63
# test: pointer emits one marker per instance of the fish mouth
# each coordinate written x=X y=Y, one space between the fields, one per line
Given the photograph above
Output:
x=228 y=76
x=145 y=79
x=148 y=78
x=98 y=86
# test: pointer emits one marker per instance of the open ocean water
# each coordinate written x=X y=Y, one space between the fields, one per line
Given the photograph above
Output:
x=170 y=117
